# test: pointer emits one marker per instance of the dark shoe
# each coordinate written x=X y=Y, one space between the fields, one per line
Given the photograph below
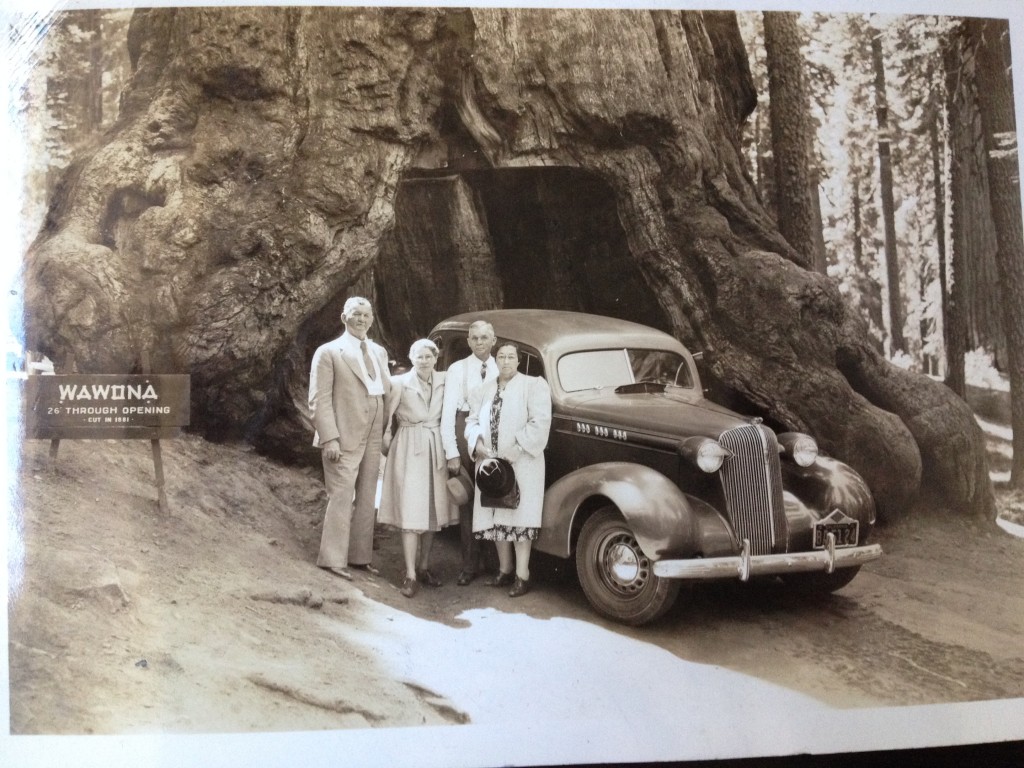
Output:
x=426 y=578
x=345 y=573
x=409 y=587
x=366 y=567
x=519 y=588
x=465 y=578
x=500 y=579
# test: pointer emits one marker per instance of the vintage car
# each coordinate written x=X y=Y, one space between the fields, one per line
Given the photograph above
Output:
x=649 y=484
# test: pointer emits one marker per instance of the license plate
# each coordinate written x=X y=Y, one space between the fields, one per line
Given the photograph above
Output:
x=843 y=527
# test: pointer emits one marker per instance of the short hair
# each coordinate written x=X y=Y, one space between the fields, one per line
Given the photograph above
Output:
x=480 y=325
x=353 y=302
x=502 y=344
x=420 y=344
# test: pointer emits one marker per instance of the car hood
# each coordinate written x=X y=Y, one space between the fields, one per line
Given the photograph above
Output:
x=654 y=413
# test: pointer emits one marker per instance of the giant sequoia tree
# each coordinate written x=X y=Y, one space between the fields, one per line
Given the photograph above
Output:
x=268 y=162
x=796 y=186
x=991 y=39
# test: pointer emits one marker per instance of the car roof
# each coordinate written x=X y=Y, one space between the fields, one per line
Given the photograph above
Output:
x=556 y=332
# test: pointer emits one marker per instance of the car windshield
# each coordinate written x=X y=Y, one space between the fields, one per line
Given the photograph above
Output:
x=599 y=368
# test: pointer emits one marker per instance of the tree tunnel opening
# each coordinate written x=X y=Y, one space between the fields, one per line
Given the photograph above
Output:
x=537 y=237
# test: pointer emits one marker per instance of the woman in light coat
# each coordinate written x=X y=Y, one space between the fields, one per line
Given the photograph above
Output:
x=414 y=495
x=510 y=419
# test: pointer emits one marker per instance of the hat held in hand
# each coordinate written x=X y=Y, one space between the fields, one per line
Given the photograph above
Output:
x=460 y=488
x=495 y=477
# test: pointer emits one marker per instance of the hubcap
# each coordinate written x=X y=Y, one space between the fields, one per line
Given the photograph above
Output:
x=623 y=564
x=624 y=568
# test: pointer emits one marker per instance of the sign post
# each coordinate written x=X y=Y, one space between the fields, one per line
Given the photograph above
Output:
x=108 y=407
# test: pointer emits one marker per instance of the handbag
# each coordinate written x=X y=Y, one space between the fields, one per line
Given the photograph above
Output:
x=497 y=482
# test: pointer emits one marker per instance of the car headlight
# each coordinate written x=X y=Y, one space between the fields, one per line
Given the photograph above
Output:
x=706 y=453
x=711 y=456
x=801 y=448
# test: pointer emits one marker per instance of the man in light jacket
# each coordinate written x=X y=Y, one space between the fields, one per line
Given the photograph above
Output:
x=348 y=382
x=464 y=378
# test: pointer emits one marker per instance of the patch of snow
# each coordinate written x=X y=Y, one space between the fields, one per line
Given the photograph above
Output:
x=511 y=667
x=992 y=429
x=1014 y=529
x=567 y=691
x=980 y=371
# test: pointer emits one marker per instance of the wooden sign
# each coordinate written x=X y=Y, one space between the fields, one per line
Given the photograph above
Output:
x=98 y=406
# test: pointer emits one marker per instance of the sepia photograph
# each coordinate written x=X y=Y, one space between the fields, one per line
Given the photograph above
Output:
x=476 y=385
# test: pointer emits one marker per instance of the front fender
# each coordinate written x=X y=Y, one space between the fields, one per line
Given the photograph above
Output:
x=825 y=485
x=665 y=521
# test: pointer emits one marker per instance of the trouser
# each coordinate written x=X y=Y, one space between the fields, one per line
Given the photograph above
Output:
x=351 y=492
x=469 y=545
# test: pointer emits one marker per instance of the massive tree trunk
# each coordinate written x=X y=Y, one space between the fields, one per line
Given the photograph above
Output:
x=271 y=161
x=975 y=307
x=999 y=130
x=792 y=137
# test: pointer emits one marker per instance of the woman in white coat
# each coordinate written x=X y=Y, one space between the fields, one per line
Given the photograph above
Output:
x=511 y=419
x=414 y=495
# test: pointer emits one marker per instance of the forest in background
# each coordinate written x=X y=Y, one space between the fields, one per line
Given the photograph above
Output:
x=879 y=142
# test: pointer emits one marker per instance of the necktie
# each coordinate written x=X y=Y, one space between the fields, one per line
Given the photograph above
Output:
x=367 y=361
x=483 y=371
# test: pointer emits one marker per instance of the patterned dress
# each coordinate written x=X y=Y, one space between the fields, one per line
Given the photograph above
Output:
x=521 y=423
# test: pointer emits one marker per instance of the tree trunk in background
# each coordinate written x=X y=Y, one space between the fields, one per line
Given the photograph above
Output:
x=939 y=190
x=959 y=107
x=265 y=168
x=792 y=137
x=975 y=278
x=892 y=267
x=995 y=100
x=818 y=230
x=868 y=289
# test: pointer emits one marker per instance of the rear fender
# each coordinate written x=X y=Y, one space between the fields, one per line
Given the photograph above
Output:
x=665 y=521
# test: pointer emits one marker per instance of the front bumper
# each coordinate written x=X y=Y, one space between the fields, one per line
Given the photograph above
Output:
x=745 y=565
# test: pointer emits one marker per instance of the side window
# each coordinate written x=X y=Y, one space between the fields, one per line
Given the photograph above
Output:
x=530 y=364
x=529 y=360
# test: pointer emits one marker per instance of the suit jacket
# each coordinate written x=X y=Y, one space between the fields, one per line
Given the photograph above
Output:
x=337 y=393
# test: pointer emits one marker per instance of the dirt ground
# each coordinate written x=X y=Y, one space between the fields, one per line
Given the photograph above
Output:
x=214 y=618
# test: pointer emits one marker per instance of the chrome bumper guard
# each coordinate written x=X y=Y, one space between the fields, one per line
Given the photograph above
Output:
x=745 y=565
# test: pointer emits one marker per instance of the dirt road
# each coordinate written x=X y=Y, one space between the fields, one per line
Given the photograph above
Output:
x=214 y=620
x=937 y=620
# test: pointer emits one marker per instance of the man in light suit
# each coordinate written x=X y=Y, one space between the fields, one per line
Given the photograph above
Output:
x=465 y=377
x=348 y=382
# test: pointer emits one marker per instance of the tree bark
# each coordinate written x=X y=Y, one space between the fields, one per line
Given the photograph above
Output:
x=974 y=287
x=262 y=172
x=939 y=190
x=960 y=146
x=999 y=130
x=892 y=267
x=792 y=136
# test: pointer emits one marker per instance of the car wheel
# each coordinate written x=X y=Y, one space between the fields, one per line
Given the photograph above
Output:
x=617 y=577
x=821 y=584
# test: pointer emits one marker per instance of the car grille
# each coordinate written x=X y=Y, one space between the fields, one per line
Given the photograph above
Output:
x=752 y=481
